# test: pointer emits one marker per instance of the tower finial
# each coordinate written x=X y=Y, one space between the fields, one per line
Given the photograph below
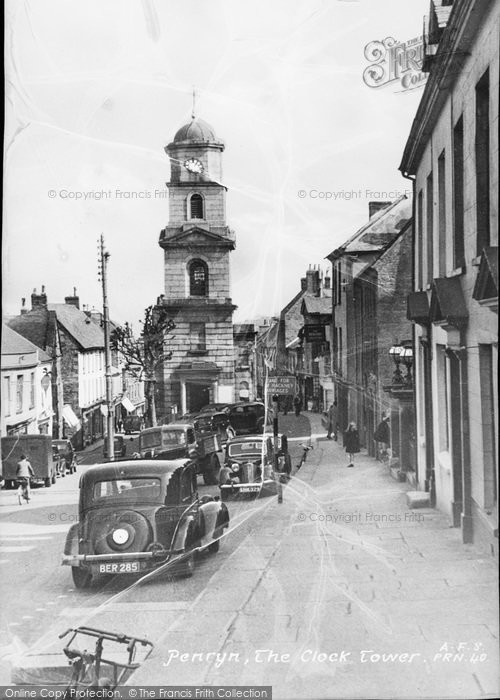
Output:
x=193 y=113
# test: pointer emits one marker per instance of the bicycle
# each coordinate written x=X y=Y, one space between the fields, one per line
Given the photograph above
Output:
x=23 y=490
x=88 y=671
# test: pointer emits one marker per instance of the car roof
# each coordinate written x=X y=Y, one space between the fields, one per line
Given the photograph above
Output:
x=246 y=438
x=169 y=426
x=134 y=467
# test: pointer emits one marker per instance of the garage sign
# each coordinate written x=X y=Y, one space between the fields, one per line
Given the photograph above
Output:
x=281 y=385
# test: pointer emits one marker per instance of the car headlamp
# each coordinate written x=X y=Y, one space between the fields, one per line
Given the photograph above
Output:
x=120 y=535
x=235 y=467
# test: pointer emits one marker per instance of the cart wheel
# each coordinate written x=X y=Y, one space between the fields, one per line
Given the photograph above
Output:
x=82 y=578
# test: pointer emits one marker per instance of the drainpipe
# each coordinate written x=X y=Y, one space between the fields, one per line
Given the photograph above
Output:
x=467 y=531
x=412 y=179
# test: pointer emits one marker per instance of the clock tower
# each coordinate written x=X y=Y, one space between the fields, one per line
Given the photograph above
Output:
x=197 y=243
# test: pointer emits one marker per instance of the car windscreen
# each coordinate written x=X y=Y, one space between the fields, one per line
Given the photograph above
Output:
x=239 y=449
x=133 y=489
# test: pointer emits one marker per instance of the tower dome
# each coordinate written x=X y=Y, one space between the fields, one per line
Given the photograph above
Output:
x=196 y=131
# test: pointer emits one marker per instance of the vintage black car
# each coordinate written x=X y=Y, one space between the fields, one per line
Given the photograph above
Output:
x=182 y=440
x=139 y=515
x=249 y=417
x=249 y=466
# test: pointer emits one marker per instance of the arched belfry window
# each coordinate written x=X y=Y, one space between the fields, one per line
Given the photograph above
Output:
x=198 y=278
x=196 y=206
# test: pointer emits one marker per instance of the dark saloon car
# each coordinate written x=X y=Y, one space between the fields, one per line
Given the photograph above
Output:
x=249 y=466
x=140 y=515
x=248 y=418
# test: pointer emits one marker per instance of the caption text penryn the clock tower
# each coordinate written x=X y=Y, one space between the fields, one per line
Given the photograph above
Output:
x=197 y=243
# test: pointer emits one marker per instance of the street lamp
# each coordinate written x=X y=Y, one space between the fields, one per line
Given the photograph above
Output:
x=46 y=379
x=407 y=357
x=395 y=354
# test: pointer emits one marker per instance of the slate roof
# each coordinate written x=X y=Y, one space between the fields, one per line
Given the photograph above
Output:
x=35 y=326
x=87 y=334
x=15 y=344
x=379 y=232
x=317 y=305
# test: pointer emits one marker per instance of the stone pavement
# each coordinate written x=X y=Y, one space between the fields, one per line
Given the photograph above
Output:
x=341 y=592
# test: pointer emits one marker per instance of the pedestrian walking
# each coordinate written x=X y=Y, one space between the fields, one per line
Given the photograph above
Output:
x=297 y=404
x=382 y=436
x=332 y=421
x=351 y=442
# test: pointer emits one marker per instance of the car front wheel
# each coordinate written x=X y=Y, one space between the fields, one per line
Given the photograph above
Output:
x=82 y=578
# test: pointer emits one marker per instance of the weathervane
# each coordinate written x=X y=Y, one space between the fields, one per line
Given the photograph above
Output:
x=193 y=114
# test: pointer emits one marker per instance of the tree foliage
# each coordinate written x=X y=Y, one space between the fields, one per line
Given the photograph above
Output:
x=144 y=354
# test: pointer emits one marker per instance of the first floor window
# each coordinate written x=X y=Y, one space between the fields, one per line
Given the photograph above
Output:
x=19 y=393
x=32 y=390
x=8 y=397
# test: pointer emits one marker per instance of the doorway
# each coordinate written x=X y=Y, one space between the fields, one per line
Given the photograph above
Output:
x=198 y=395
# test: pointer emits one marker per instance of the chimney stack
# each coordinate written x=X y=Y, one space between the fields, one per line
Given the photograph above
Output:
x=39 y=301
x=312 y=281
x=73 y=300
x=374 y=207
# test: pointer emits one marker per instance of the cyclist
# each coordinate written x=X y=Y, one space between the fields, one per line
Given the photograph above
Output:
x=24 y=474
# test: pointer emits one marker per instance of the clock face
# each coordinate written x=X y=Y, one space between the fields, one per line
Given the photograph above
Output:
x=193 y=165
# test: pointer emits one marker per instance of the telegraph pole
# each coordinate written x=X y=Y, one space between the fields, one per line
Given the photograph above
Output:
x=110 y=418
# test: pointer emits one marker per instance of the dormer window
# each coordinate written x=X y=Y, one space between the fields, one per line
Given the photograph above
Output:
x=196 y=206
x=198 y=278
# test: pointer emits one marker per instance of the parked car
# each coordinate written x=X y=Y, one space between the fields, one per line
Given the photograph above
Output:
x=248 y=418
x=133 y=424
x=63 y=454
x=120 y=447
x=215 y=422
x=182 y=440
x=249 y=466
x=210 y=407
x=139 y=516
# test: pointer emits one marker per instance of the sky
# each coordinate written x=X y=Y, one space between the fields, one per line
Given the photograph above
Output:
x=95 y=90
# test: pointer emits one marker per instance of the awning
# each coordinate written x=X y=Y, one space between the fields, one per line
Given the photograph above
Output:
x=417 y=307
x=448 y=307
x=70 y=417
x=127 y=404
